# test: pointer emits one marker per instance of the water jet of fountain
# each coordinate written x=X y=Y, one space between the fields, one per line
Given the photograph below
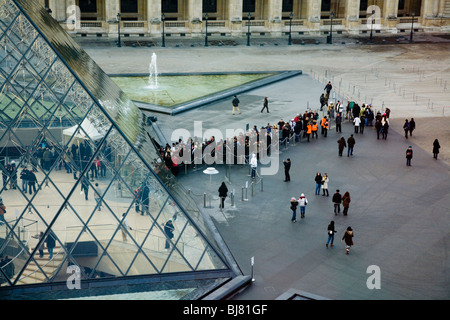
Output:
x=153 y=72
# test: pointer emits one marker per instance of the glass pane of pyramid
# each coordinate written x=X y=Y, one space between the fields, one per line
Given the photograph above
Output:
x=81 y=169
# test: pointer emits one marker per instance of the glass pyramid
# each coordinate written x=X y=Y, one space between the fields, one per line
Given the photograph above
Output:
x=83 y=184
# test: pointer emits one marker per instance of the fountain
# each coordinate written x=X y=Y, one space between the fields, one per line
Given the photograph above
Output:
x=153 y=72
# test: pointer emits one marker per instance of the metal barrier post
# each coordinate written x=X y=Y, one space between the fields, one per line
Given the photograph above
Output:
x=253 y=193
x=204 y=200
x=262 y=188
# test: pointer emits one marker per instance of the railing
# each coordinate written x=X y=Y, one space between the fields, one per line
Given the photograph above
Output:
x=91 y=24
x=255 y=23
x=295 y=23
x=133 y=24
x=175 y=24
x=336 y=22
x=408 y=20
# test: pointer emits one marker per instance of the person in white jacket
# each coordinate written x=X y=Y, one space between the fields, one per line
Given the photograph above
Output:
x=357 y=122
x=254 y=165
x=302 y=202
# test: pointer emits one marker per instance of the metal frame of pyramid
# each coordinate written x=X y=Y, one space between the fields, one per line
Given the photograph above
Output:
x=74 y=129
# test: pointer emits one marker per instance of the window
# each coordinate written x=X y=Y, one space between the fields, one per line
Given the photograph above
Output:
x=129 y=6
x=363 y=5
x=326 y=5
x=169 y=6
x=88 y=6
x=288 y=5
x=248 y=6
x=209 y=6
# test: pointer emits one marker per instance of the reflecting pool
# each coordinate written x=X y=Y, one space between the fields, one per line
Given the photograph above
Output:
x=177 y=89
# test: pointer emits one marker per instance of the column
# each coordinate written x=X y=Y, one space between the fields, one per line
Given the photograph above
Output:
x=313 y=13
x=194 y=17
x=112 y=8
x=352 y=16
x=274 y=16
x=390 y=12
x=154 y=16
x=235 y=16
x=430 y=14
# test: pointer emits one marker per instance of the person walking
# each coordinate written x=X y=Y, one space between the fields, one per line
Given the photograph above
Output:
x=169 y=228
x=385 y=131
x=328 y=88
x=325 y=184
x=287 y=167
x=412 y=126
x=235 y=102
x=253 y=165
x=326 y=126
x=322 y=101
x=348 y=238
x=406 y=128
x=337 y=199
x=85 y=187
x=97 y=196
x=24 y=178
x=338 y=121
x=341 y=145
x=308 y=130
x=294 y=205
x=318 y=180
x=223 y=193
x=346 y=202
x=351 y=143
x=357 y=123
x=42 y=246
x=32 y=180
x=436 y=148
x=125 y=227
x=302 y=202
x=2 y=212
x=51 y=243
x=331 y=231
x=265 y=105
x=378 y=128
x=409 y=156
x=314 y=128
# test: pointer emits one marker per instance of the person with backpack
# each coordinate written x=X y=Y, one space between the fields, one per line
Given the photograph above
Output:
x=302 y=202
x=235 y=103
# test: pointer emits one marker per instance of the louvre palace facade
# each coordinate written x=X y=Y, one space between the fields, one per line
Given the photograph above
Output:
x=188 y=18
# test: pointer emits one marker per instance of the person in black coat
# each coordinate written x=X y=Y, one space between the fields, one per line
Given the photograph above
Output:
x=223 y=193
x=409 y=155
x=337 y=199
x=436 y=148
x=287 y=167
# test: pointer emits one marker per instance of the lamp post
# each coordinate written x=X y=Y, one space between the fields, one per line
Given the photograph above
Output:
x=412 y=27
x=119 y=44
x=331 y=28
x=371 y=28
x=206 y=33
x=163 y=18
x=291 y=15
x=248 y=25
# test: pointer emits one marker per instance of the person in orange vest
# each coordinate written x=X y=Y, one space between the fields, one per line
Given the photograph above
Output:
x=314 y=128
x=322 y=122
x=325 y=127
x=308 y=130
